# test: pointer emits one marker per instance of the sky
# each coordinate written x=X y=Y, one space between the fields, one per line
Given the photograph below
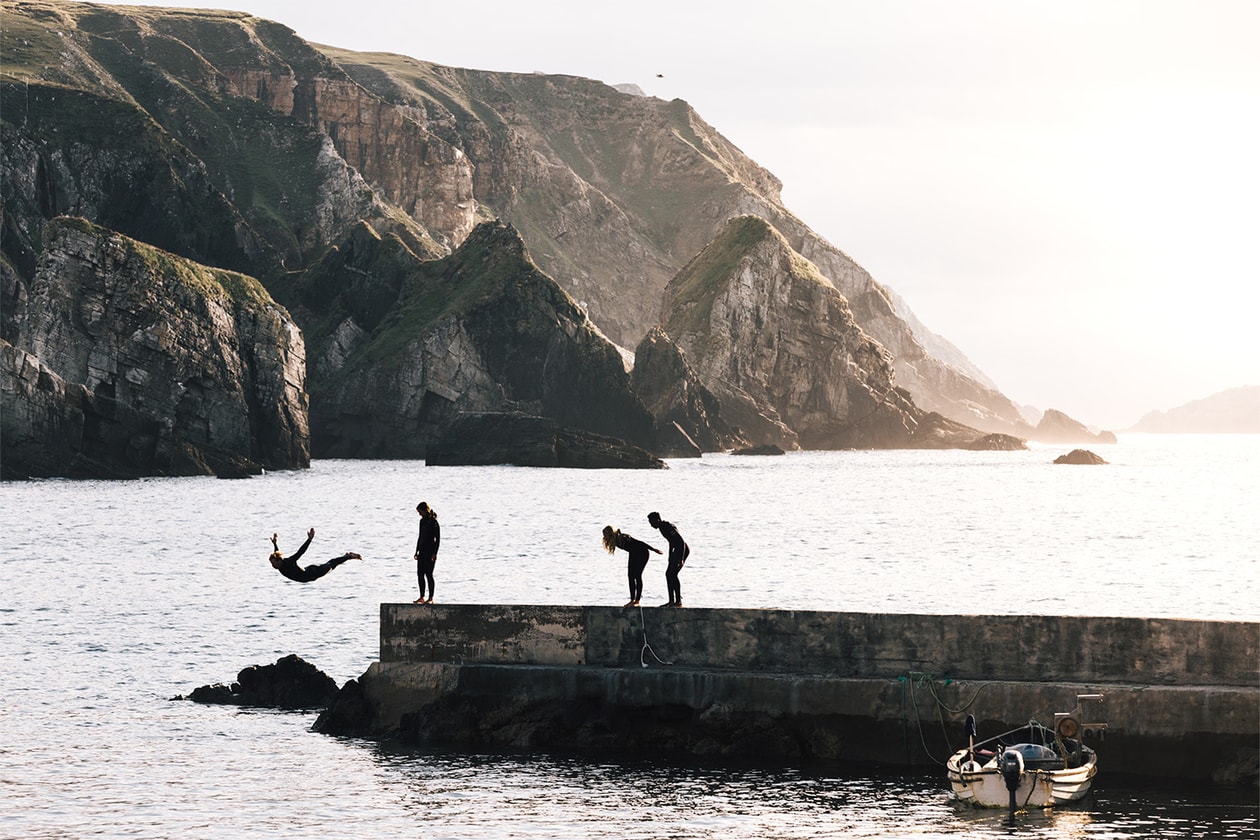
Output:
x=1068 y=191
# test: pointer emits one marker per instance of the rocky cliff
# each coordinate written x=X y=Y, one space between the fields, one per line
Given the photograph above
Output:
x=616 y=192
x=688 y=414
x=228 y=141
x=128 y=360
x=777 y=343
x=482 y=330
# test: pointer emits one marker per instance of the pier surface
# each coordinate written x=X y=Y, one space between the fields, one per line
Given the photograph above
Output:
x=1182 y=697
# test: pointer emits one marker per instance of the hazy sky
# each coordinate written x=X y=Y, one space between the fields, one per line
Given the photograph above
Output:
x=1068 y=191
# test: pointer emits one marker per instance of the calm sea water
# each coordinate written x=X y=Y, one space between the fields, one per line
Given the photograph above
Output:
x=118 y=596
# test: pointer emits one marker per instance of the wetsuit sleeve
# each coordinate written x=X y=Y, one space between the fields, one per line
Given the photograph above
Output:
x=437 y=536
x=301 y=550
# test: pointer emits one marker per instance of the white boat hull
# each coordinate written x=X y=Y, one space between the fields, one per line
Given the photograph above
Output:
x=986 y=788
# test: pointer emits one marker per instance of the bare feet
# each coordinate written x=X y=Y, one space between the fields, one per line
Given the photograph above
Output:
x=418 y=601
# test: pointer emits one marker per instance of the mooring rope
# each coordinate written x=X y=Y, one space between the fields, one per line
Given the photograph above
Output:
x=643 y=652
x=918 y=677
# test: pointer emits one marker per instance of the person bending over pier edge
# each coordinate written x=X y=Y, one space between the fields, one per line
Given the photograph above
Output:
x=638 y=551
x=288 y=566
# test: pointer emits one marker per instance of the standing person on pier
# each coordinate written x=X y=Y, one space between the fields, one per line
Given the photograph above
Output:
x=638 y=551
x=678 y=553
x=426 y=550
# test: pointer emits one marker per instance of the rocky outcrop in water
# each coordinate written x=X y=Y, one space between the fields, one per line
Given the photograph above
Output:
x=290 y=683
x=138 y=362
x=1080 y=456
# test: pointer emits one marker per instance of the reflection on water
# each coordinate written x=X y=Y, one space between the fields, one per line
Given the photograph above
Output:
x=541 y=796
x=117 y=596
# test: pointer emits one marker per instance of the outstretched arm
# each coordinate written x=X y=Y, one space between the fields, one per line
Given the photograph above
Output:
x=310 y=535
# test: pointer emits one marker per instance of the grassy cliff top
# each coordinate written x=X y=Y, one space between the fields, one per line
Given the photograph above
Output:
x=701 y=280
x=239 y=290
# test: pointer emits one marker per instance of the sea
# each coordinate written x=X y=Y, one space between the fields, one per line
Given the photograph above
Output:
x=118 y=598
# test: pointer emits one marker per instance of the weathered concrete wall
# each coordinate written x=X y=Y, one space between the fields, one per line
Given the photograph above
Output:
x=1182 y=697
x=1016 y=648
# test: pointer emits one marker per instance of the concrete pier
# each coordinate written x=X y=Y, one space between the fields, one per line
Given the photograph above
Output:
x=1182 y=698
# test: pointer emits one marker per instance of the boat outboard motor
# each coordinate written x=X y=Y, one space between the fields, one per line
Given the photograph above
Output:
x=1012 y=766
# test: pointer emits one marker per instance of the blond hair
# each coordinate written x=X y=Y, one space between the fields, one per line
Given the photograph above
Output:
x=610 y=538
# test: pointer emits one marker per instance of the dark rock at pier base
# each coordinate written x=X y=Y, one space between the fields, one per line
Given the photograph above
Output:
x=1079 y=456
x=489 y=438
x=291 y=683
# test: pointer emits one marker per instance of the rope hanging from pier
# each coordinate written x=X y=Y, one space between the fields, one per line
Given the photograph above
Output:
x=647 y=648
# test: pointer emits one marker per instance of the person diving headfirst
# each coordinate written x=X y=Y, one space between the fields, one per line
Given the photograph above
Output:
x=288 y=566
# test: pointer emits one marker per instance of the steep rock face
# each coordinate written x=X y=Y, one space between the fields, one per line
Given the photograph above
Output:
x=389 y=144
x=230 y=141
x=130 y=117
x=777 y=343
x=150 y=365
x=480 y=331
x=1057 y=427
x=676 y=397
x=616 y=192
x=68 y=152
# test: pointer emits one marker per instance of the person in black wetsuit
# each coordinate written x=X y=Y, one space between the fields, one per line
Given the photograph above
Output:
x=638 y=551
x=288 y=566
x=678 y=553
x=427 y=549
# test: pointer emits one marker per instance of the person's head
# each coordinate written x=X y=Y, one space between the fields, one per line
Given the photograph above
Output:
x=610 y=539
x=276 y=558
x=654 y=519
x=424 y=510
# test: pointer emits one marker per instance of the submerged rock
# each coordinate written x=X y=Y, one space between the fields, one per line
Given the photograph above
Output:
x=488 y=438
x=290 y=683
x=763 y=449
x=997 y=443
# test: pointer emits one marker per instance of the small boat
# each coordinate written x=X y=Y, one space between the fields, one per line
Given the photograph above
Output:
x=1032 y=766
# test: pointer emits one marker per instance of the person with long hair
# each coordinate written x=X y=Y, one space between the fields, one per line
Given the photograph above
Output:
x=288 y=566
x=638 y=551
x=426 y=550
x=678 y=553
